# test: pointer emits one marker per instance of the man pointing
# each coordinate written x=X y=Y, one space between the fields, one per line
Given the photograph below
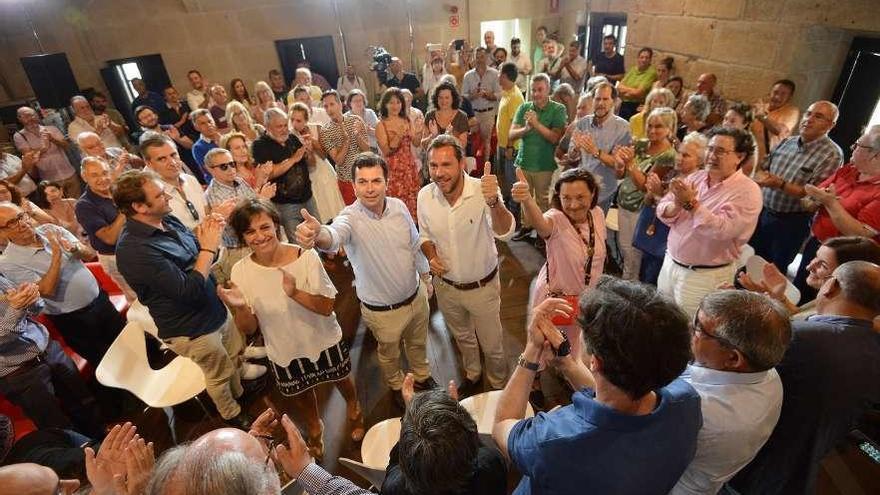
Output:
x=459 y=217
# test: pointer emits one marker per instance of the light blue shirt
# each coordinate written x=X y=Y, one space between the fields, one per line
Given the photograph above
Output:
x=384 y=251
x=615 y=131
x=76 y=287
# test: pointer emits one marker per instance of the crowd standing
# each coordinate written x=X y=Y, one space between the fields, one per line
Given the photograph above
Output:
x=681 y=374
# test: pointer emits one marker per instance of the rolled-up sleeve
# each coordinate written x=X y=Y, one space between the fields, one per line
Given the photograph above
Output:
x=667 y=201
x=731 y=219
x=146 y=266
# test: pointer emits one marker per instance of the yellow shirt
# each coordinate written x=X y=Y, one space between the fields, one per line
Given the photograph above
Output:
x=314 y=93
x=637 y=125
x=507 y=106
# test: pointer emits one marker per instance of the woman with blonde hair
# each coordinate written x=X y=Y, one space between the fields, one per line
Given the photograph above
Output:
x=658 y=97
x=265 y=99
x=241 y=121
x=255 y=175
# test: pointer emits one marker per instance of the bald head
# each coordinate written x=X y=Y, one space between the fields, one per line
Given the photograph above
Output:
x=27 y=116
x=90 y=144
x=706 y=83
x=818 y=120
x=81 y=107
x=28 y=479
x=859 y=283
x=229 y=440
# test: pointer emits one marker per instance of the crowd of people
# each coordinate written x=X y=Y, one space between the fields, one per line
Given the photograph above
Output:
x=657 y=365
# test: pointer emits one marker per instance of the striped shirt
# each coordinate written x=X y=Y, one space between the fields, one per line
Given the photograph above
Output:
x=218 y=192
x=799 y=163
x=21 y=338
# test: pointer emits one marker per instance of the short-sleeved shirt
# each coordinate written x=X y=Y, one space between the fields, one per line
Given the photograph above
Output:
x=217 y=192
x=459 y=122
x=94 y=213
x=861 y=199
x=615 y=131
x=21 y=337
x=507 y=107
x=799 y=163
x=579 y=64
x=488 y=81
x=536 y=153
x=76 y=288
x=609 y=66
x=635 y=78
x=53 y=163
x=333 y=136
x=409 y=81
x=588 y=446
x=11 y=165
x=80 y=125
x=788 y=116
x=629 y=197
x=294 y=186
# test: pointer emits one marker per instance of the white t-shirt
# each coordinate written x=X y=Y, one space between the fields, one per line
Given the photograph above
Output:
x=11 y=165
x=290 y=330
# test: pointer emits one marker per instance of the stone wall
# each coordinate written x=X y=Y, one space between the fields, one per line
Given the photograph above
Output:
x=747 y=43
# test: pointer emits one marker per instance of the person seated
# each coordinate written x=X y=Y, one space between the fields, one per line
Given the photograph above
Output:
x=33 y=479
x=119 y=159
x=738 y=338
x=631 y=419
x=693 y=115
x=17 y=170
x=12 y=194
x=52 y=257
x=51 y=196
x=439 y=449
x=56 y=448
x=219 y=98
x=830 y=374
x=35 y=373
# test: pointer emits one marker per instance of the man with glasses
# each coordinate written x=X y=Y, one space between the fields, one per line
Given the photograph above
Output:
x=738 y=338
x=187 y=197
x=849 y=202
x=711 y=214
x=808 y=158
x=225 y=191
x=830 y=374
x=52 y=258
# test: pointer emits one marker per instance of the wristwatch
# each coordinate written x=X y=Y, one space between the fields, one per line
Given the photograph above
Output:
x=526 y=364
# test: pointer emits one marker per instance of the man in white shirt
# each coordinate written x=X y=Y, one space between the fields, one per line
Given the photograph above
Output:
x=480 y=86
x=523 y=64
x=574 y=68
x=16 y=170
x=187 y=197
x=350 y=81
x=380 y=239
x=739 y=336
x=86 y=120
x=197 y=97
x=459 y=219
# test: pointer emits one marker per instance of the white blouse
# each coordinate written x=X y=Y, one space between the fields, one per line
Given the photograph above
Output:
x=290 y=330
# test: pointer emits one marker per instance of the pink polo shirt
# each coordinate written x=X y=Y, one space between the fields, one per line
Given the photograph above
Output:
x=722 y=223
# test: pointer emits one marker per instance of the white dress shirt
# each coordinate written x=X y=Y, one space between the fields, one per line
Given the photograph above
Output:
x=195 y=194
x=462 y=233
x=345 y=85
x=523 y=67
x=472 y=81
x=79 y=125
x=740 y=411
x=384 y=251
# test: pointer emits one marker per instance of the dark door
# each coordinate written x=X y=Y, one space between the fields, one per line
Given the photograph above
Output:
x=119 y=73
x=318 y=50
x=857 y=93
x=602 y=24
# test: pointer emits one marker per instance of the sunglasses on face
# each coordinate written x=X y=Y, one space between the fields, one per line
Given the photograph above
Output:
x=225 y=166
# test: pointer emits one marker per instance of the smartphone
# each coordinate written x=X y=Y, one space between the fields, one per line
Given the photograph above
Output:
x=458 y=44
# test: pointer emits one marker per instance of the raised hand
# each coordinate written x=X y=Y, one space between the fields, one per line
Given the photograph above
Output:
x=452 y=389
x=624 y=155
x=307 y=231
x=139 y=460
x=294 y=457
x=268 y=190
x=654 y=185
x=29 y=159
x=433 y=128
x=288 y=283
x=264 y=424
x=519 y=191
x=23 y=296
x=825 y=196
x=407 y=390
x=584 y=141
x=232 y=296
x=225 y=208
x=210 y=232
x=54 y=239
x=489 y=185
x=531 y=118
x=683 y=192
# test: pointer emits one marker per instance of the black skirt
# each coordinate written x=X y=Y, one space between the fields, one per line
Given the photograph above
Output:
x=302 y=374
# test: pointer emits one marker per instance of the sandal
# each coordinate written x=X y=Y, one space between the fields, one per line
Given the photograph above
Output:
x=357 y=425
x=316 y=443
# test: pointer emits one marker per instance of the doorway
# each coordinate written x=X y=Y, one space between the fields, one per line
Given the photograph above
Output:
x=319 y=51
x=118 y=76
x=857 y=94
x=602 y=24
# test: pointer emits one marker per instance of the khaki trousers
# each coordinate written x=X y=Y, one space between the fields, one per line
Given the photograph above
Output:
x=218 y=354
x=539 y=188
x=407 y=325
x=474 y=319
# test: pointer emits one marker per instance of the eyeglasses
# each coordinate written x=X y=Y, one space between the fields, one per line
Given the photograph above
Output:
x=225 y=166
x=858 y=145
x=18 y=220
x=192 y=209
x=272 y=444
x=714 y=150
x=698 y=328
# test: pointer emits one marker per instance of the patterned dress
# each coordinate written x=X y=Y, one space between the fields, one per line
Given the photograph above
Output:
x=403 y=178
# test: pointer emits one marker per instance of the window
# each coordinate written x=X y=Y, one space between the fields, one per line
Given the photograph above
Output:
x=126 y=72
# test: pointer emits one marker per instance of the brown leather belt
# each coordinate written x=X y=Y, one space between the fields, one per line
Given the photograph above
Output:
x=394 y=306
x=473 y=285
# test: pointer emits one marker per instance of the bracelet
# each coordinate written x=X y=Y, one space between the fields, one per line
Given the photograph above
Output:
x=494 y=204
x=213 y=253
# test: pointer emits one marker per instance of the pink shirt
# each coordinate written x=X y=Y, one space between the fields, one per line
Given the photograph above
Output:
x=53 y=163
x=722 y=223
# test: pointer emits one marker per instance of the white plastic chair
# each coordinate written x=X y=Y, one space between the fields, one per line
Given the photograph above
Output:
x=482 y=408
x=125 y=366
x=376 y=449
x=374 y=476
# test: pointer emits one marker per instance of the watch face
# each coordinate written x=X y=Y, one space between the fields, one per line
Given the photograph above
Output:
x=564 y=349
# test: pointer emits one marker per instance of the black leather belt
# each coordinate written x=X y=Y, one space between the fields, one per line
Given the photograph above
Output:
x=484 y=110
x=394 y=306
x=698 y=267
x=473 y=285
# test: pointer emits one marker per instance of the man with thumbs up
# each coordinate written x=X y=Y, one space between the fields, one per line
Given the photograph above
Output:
x=459 y=219
x=380 y=239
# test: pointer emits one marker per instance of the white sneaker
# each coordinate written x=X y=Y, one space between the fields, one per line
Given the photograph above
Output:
x=251 y=371
x=254 y=352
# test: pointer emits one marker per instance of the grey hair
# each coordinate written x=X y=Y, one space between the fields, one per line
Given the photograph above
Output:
x=198 y=113
x=700 y=106
x=754 y=324
x=593 y=82
x=541 y=77
x=91 y=159
x=166 y=469
x=273 y=113
x=448 y=77
x=77 y=98
x=209 y=156
x=659 y=93
x=873 y=135
x=565 y=89
x=208 y=473
x=860 y=283
x=665 y=115
x=701 y=142
x=81 y=137
x=303 y=70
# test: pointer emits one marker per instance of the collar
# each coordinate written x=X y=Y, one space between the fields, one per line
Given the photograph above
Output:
x=95 y=196
x=140 y=229
x=369 y=213
x=727 y=180
x=709 y=376
x=802 y=146
x=600 y=125
x=842 y=320
x=467 y=191
x=236 y=183
x=602 y=416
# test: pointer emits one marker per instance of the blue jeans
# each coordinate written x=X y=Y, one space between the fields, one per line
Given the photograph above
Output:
x=779 y=236
x=505 y=169
x=291 y=216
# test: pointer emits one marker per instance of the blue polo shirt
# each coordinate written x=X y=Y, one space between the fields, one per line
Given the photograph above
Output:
x=201 y=148
x=588 y=447
x=158 y=265
x=94 y=213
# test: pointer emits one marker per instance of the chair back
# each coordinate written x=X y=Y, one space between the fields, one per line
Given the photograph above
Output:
x=374 y=476
x=378 y=442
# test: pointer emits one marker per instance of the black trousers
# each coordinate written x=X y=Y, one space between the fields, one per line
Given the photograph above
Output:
x=90 y=330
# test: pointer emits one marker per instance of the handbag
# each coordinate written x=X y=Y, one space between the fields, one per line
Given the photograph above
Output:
x=650 y=233
x=572 y=299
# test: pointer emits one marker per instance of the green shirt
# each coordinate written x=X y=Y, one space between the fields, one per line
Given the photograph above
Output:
x=639 y=79
x=629 y=197
x=536 y=153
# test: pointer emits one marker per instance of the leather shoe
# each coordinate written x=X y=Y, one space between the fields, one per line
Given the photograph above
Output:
x=426 y=384
x=523 y=234
x=243 y=421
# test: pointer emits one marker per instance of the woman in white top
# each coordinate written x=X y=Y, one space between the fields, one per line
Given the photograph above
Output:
x=325 y=190
x=284 y=290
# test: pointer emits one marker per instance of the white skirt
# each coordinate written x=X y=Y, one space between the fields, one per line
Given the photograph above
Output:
x=325 y=190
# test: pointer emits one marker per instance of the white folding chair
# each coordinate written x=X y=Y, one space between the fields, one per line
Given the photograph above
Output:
x=482 y=408
x=376 y=449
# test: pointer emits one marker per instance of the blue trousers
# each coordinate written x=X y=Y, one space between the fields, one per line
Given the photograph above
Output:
x=779 y=236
